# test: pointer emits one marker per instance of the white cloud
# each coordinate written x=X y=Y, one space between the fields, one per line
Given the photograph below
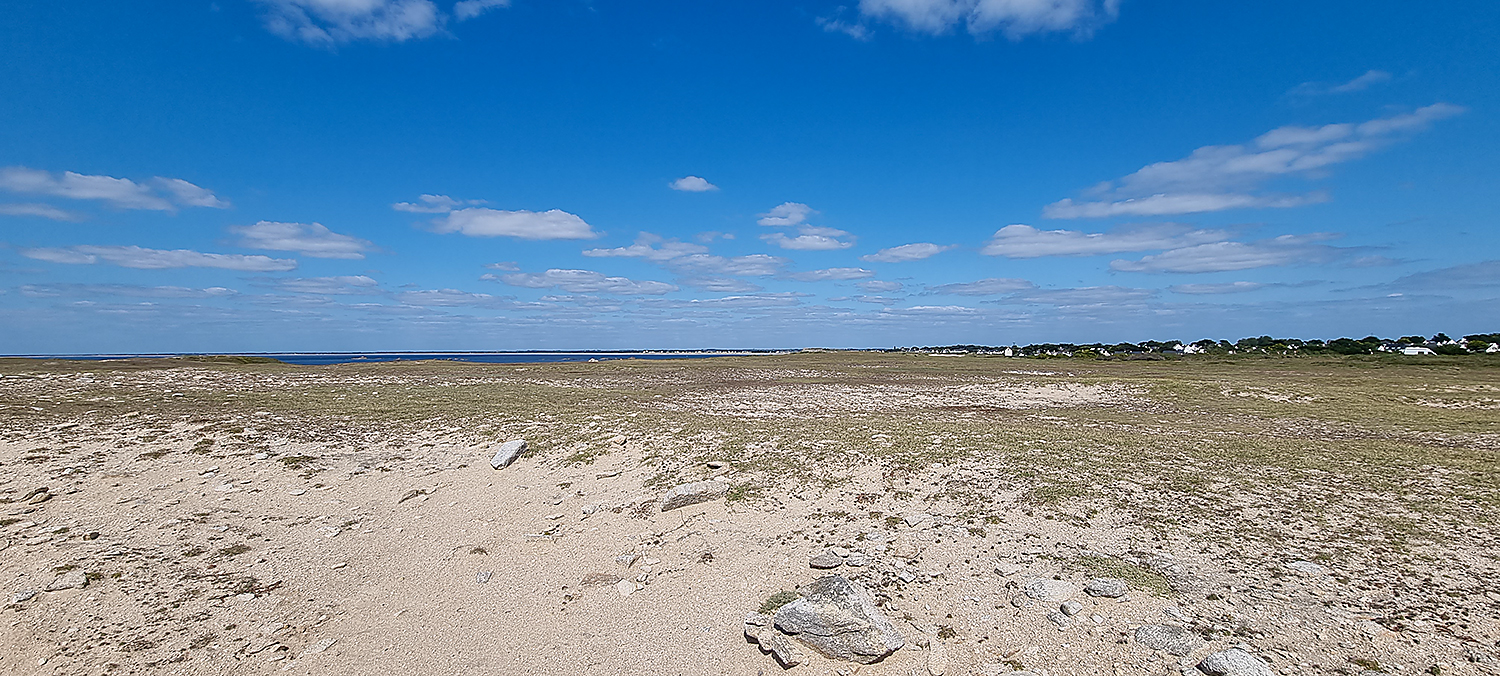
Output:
x=931 y=310
x=786 y=213
x=1215 y=178
x=190 y=195
x=1213 y=289
x=508 y=266
x=1469 y=276
x=877 y=286
x=745 y=302
x=308 y=239
x=753 y=265
x=1024 y=241
x=1176 y=205
x=812 y=239
x=38 y=210
x=453 y=298
x=992 y=286
x=344 y=285
x=1229 y=256
x=650 y=247
x=719 y=284
x=130 y=290
x=835 y=24
x=1014 y=18
x=331 y=22
x=906 y=253
x=692 y=184
x=434 y=204
x=833 y=274
x=158 y=259
x=584 y=281
x=469 y=9
x=483 y=222
x=121 y=193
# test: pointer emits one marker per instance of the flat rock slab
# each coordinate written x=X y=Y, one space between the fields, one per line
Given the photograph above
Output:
x=507 y=453
x=73 y=579
x=758 y=629
x=692 y=494
x=838 y=618
x=1175 y=640
x=1234 y=662
x=826 y=560
x=1050 y=590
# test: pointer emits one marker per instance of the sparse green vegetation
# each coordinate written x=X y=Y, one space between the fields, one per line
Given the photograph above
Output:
x=777 y=600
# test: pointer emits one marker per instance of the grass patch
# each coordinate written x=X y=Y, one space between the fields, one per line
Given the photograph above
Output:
x=777 y=600
x=1136 y=576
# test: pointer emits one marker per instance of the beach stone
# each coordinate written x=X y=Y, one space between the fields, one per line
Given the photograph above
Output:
x=692 y=494
x=507 y=453
x=73 y=579
x=39 y=498
x=1175 y=640
x=1057 y=618
x=1050 y=590
x=937 y=659
x=625 y=587
x=1106 y=587
x=825 y=560
x=839 y=619
x=716 y=464
x=1234 y=662
x=23 y=596
x=858 y=559
x=1071 y=608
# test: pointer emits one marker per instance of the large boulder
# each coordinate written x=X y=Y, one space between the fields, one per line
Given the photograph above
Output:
x=507 y=453
x=693 y=493
x=838 y=618
x=1234 y=662
x=758 y=629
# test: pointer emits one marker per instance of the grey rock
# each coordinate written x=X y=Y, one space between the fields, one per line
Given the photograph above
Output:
x=1071 y=608
x=826 y=560
x=1306 y=568
x=73 y=579
x=507 y=453
x=839 y=619
x=1050 y=590
x=716 y=464
x=23 y=596
x=1107 y=587
x=484 y=576
x=857 y=559
x=692 y=494
x=1234 y=662
x=1175 y=640
x=1058 y=619
x=1021 y=601
x=1007 y=569
x=782 y=648
x=754 y=619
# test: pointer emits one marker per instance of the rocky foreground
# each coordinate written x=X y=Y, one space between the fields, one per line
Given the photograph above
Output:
x=132 y=546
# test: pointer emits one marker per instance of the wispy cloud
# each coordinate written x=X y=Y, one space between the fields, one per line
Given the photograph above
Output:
x=833 y=275
x=1014 y=18
x=308 y=239
x=692 y=184
x=455 y=298
x=327 y=23
x=1216 y=289
x=583 y=281
x=879 y=286
x=1483 y=274
x=434 y=204
x=343 y=285
x=1081 y=296
x=753 y=265
x=1369 y=79
x=38 y=210
x=992 y=286
x=158 y=259
x=127 y=290
x=1024 y=241
x=1216 y=178
x=121 y=193
x=1230 y=256
x=650 y=247
x=906 y=253
x=719 y=284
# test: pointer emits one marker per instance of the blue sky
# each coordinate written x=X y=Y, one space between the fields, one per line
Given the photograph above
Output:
x=270 y=175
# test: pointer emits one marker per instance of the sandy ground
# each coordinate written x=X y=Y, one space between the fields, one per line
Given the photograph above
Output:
x=308 y=558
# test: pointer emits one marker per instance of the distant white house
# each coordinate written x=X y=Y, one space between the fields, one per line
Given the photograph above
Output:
x=1416 y=349
x=1191 y=349
x=1493 y=348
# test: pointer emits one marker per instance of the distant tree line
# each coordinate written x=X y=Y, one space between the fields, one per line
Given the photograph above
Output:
x=1266 y=345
